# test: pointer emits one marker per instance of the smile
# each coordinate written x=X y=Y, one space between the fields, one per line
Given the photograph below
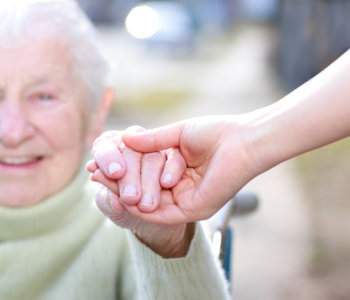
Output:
x=16 y=161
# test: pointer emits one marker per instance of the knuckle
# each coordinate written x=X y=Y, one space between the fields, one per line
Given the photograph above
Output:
x=154 y=158
x=101 y=198
x=101 y=138
x=107 y=136
x=130 y=154
x=98 y=175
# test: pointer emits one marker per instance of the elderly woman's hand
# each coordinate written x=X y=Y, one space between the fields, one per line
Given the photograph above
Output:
x=134 y=182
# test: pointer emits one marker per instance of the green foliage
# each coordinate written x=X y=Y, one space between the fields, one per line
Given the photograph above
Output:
x=324 y=177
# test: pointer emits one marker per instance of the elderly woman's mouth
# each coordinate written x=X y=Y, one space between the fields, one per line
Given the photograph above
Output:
x=20 y=160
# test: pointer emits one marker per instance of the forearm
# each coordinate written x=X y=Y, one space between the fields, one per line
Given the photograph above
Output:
x=315 y=114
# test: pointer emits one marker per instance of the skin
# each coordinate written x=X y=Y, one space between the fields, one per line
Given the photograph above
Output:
x=45 y=127
x=144 y=172
x=41 y=120
x=223 y=153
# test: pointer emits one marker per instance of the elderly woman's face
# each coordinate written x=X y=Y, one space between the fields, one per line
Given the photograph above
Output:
x=42 y=122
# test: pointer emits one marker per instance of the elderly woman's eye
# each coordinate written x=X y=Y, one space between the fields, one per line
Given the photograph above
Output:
x=45 y=97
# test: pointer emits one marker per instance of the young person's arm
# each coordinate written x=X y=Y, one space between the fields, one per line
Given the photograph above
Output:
x=223 y=153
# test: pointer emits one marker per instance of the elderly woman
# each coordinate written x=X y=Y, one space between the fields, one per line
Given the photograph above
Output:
x=54 y=244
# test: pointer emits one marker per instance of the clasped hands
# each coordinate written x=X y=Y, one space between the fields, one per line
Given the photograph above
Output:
x=157 y=194
x=133 y=185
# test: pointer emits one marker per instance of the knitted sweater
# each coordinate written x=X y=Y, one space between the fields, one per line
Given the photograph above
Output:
x=64 y=249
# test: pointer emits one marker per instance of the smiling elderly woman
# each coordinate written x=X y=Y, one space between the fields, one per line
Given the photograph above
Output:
x=53 y=243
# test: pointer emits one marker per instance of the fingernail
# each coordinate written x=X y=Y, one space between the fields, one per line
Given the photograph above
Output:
x=130 y=190
x=147 y=200
x=114 y=167
x=168 y=178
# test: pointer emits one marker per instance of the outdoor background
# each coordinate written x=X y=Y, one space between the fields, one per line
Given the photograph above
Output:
x=233 y=56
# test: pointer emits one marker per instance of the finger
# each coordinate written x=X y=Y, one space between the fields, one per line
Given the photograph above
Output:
x=175 y=167
x=106 y=151
x=109 y=203
x=152 y=166
x=91 y=166
x=155 y=139
x=167 y=213
x=111 y=184
x=130 y=184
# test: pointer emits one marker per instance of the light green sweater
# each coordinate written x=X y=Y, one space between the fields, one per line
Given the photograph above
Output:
x=65 y=249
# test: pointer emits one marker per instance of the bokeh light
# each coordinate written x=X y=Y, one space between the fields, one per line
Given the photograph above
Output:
x=142 y=22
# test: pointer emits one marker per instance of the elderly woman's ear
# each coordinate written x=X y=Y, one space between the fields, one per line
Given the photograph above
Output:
x=99 y=116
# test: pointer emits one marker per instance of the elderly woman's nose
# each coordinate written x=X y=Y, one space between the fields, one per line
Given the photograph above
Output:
x=14 y=126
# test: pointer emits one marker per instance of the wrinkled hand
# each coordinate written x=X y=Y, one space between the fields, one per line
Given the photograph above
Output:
x=131 y=184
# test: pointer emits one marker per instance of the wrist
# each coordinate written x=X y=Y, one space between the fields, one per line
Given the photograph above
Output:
x=168 y=242
x=275 y=133
x=253 y=137
x=261 y=133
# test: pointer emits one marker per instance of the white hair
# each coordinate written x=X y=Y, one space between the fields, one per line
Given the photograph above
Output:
x=65 y=19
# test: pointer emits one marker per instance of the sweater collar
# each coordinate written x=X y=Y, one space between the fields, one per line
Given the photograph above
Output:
x=17 y=223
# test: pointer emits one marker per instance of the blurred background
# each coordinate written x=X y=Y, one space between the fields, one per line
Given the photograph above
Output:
x=178 y=59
